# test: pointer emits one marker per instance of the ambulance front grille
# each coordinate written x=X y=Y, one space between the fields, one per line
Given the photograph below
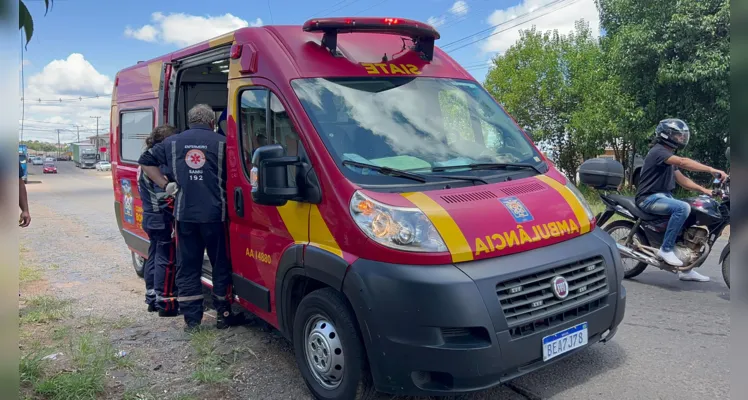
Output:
x=529 y=299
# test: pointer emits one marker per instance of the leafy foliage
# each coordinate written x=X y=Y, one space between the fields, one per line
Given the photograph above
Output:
x=657 y=59
x=26 y=22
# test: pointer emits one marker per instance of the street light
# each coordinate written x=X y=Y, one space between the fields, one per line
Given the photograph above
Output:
x=98 y=147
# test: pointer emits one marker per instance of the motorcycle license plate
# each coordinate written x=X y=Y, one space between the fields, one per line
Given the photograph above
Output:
x=564 y=341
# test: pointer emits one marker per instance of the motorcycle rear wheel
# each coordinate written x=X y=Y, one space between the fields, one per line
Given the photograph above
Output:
x=726 y=270
x=626 y=226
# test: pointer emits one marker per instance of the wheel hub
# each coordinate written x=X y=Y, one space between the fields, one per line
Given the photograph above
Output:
x=324 y=352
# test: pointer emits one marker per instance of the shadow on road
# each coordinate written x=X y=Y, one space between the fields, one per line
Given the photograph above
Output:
x=573 y=371
x=672 y=283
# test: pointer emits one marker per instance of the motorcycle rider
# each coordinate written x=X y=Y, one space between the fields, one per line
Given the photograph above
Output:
x=660 y=173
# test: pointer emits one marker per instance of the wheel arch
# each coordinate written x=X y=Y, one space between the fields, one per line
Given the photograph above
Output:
x=301 y=270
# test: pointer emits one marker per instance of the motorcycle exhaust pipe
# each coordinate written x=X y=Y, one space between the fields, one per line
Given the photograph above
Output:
x=636 y=255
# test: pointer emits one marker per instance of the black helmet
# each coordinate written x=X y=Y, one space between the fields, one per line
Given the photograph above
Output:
x=673 y=132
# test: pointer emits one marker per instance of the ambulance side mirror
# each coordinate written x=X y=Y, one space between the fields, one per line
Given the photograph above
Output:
x=269 y=176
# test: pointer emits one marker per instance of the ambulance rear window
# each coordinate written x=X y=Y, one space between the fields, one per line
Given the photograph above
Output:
x=411 y=123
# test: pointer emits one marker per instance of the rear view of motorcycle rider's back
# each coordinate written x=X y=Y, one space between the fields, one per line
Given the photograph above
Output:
x=660 y=173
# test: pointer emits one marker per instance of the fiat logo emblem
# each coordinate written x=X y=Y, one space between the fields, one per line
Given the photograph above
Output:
x=560 y=287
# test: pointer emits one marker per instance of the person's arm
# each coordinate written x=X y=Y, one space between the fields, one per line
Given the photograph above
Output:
x=23 y=203
x=695 y=166
x=151 y=160
x=687 y=183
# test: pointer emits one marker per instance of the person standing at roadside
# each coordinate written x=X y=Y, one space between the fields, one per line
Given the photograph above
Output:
x=158 y=223
x=23 y=200
x=197 y=159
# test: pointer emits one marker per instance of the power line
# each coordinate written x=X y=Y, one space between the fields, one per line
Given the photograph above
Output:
x=513 y=26
x=482 y=31
x=369 y=8
x=72 y=99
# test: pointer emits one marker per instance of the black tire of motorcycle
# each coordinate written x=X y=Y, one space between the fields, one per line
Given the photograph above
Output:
x=726 y=270
x=641 y=266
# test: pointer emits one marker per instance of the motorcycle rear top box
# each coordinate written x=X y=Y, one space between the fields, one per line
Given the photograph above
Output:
x=601 y=173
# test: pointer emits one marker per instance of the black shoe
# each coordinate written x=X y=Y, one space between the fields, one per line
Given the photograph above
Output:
x=168 y=314
x=152 y=307
x=191 y=326
x=227 y=319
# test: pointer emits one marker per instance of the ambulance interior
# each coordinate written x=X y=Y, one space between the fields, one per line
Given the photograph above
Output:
x=207 y=84
x=202 y=84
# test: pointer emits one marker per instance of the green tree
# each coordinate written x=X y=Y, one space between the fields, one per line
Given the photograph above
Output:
x=26 y=22
x=553 y=85
x=672 y=59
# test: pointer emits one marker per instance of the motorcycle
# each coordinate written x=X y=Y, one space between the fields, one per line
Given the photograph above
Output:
x=639 y=235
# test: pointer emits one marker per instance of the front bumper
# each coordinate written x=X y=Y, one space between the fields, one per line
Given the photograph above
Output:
x=441 y=330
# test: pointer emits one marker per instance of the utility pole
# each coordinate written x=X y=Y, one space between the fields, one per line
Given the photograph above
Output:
x=78 y=128
x=58 y=144
x=97 y=138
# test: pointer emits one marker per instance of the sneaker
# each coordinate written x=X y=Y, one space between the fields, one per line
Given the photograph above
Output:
x=167 y=314
x=229 y=319
x=670 y=258
x=693 y=276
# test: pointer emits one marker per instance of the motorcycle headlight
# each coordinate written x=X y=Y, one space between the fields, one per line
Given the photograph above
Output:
x=582 y=200
x=401 y=228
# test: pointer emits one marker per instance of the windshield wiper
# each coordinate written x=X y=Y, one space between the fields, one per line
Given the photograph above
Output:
x=387 y=171
x=484 y=166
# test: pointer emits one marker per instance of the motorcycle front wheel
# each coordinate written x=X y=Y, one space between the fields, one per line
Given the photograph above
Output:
x=619 y=231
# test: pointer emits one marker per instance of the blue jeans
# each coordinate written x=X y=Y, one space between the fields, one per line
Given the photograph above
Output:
x=665 y=204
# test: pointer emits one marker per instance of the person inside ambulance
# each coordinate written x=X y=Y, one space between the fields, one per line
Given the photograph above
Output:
x=198 y=158
x=158 y=218
x=221 y=128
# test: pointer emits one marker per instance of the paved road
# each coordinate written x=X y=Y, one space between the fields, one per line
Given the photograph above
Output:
x=673 y=343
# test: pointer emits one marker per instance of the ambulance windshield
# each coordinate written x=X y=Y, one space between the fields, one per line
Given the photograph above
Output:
x=412 y=124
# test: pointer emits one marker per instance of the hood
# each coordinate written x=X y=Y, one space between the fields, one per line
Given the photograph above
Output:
x=500 y=219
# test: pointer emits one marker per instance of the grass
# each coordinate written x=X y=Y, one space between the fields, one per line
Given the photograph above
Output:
x=44 y=309
x=210 y=367
x=31 y=365
x=123 y=322
x=90 y=355
x=27 y=273
x=60 y=333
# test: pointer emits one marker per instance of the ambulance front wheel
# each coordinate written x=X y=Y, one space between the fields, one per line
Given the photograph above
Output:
x=329 y=350
x=138 y=263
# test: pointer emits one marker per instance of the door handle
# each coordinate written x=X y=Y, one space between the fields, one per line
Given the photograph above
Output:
x=238 y=202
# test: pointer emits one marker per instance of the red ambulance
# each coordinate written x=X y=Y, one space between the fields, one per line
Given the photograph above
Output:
x=386 y=214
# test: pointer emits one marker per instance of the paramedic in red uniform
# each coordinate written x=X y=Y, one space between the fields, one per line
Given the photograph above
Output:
x=158 y=223
x=197 y=159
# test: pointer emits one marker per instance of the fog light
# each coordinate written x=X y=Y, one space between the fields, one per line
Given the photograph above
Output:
x=605 y=334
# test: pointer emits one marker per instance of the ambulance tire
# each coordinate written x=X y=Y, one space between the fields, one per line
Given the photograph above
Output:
x=138 y=263
x=314 y=311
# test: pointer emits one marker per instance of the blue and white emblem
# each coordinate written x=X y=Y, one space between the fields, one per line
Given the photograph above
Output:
x=127 y=201
x=517 y=209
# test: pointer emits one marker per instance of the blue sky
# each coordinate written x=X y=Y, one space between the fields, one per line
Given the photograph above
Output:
x=80 y=45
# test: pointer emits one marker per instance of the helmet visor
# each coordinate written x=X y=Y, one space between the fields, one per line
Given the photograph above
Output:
x=681 y=138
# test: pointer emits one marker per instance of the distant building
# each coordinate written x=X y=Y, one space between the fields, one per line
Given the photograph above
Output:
x=102 y=143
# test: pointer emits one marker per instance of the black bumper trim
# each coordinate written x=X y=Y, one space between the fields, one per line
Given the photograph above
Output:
x=404 y=311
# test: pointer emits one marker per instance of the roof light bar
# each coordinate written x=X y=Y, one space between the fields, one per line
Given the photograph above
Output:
x=423 y=35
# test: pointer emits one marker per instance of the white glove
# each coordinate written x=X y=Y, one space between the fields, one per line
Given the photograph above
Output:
x=171 y=188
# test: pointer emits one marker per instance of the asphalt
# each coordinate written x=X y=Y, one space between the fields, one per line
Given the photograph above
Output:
x=672 y=344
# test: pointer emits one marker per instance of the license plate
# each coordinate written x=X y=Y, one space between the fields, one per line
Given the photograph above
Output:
x=564 y=341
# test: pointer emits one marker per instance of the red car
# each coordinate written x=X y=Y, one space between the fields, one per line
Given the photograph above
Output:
x=50 y=169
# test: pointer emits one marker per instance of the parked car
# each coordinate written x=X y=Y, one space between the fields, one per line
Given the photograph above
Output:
x=103 y=166
x=50 y=168
x=37 y=161
x=49 y=159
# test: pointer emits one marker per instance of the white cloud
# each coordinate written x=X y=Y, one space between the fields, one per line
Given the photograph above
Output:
x=66 y=79
x=184 y=30
x=436 y=21
x=562 y=20
x=146 y=33
x=459 y=8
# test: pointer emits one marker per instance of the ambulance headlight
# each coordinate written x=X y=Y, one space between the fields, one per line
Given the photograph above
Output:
x=401 y=228
x=582 y=200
